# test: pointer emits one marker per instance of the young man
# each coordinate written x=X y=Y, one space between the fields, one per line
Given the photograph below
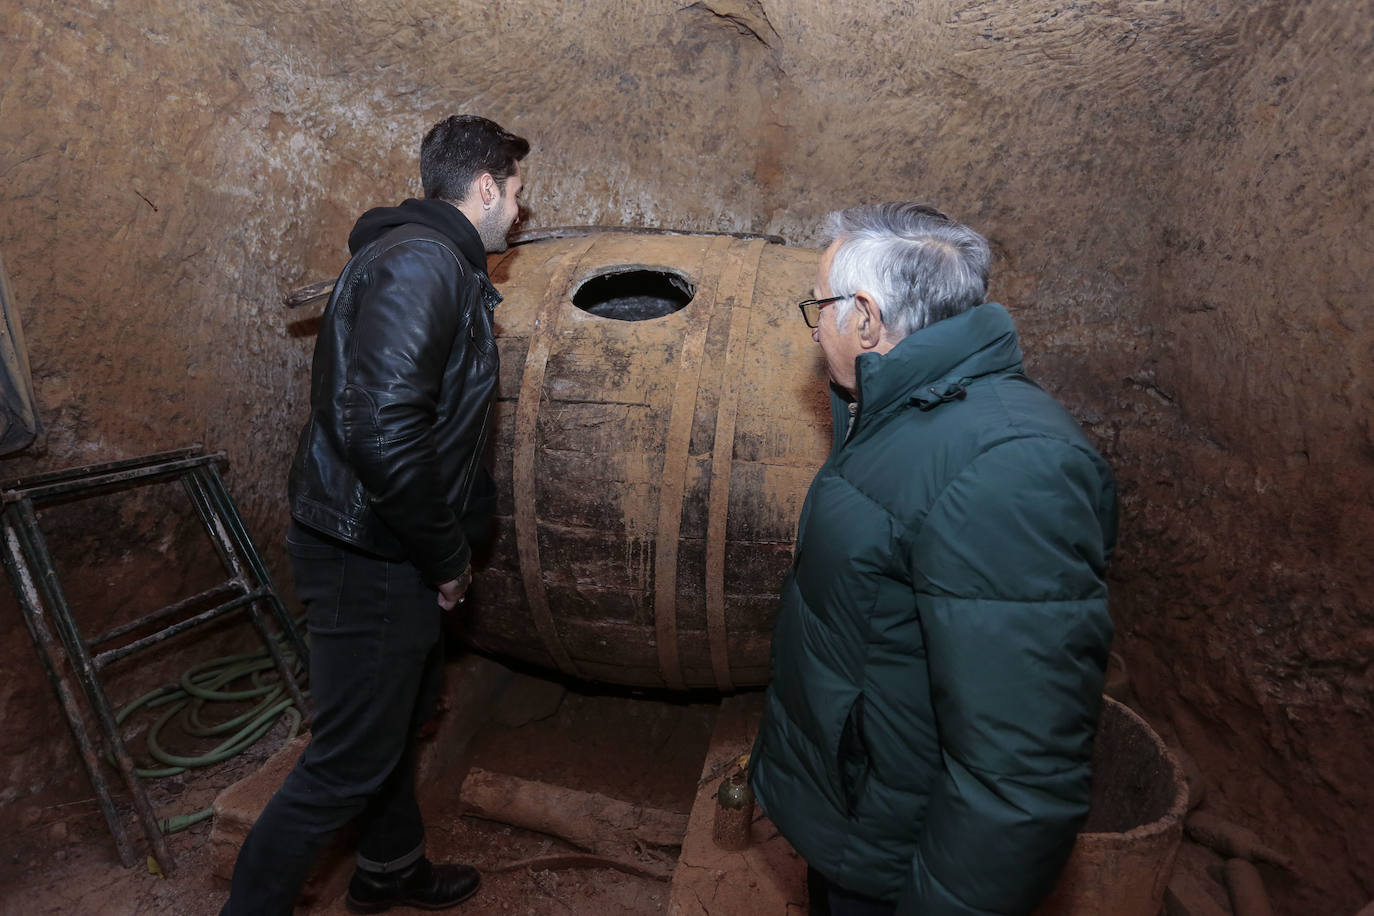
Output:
x=940 y=647
x=382 y=505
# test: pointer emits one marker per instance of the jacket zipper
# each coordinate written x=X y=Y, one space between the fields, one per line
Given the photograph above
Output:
x=475 y=458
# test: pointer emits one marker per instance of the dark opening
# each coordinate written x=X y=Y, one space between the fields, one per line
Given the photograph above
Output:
x=634 y=295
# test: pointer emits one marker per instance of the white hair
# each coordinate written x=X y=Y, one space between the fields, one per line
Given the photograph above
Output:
x=919 y=265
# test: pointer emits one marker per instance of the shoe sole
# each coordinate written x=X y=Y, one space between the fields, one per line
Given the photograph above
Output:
x=357 y=906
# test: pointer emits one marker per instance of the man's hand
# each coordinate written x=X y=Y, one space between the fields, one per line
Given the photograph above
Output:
x=454 y=591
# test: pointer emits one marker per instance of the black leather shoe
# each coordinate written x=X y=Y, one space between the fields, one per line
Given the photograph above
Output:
x=423 y=885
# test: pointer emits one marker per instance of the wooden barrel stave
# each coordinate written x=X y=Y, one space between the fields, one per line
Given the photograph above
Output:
x=708 y=422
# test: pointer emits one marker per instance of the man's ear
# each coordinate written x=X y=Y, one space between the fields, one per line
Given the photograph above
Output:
x=868 y=320
x=487 y=192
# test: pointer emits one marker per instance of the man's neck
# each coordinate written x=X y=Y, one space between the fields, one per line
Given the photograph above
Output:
x=471 y=209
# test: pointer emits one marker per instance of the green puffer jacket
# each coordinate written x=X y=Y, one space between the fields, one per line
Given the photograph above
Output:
x=939 y=652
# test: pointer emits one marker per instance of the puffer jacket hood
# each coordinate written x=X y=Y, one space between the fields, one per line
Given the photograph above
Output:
x=438 y=215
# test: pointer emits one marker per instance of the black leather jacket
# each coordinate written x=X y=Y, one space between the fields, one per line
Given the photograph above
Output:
x=404 y=372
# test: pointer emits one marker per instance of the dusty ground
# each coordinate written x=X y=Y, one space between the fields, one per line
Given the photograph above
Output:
x=61 y=860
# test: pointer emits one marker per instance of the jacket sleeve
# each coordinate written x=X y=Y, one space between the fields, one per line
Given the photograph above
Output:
x=1012 y=601
x=405 y=325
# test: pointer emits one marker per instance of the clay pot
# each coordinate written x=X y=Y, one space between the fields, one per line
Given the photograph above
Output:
x=661 y=413
x=735 y=809
x=1124 y=856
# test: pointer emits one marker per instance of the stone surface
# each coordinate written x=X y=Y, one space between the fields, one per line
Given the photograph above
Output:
x=472 y=686
x=1179 y=196
x=1188 y=896
x=237 y=807
x=527 y=699
x=767 y=876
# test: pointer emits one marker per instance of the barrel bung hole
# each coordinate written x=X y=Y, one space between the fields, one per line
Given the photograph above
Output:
x=635 y=294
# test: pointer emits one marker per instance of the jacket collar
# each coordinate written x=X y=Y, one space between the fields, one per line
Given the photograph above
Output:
x=438 y=215
x=930 y=367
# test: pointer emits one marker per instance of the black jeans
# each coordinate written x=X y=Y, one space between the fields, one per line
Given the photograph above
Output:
x=829 y=899
x=375 y=670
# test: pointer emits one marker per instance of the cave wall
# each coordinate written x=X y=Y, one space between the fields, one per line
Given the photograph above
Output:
x=1178 y=194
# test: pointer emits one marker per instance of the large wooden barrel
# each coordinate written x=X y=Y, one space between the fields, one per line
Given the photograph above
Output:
x=662 y=410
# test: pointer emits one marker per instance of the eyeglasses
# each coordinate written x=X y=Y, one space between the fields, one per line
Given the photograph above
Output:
x=811 y=309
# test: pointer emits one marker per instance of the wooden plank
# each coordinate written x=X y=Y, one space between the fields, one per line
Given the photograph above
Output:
x=674 y=480
x=522 y=465
x=722 y=461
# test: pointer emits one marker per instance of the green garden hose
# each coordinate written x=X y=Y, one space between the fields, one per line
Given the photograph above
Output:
x=209 y=683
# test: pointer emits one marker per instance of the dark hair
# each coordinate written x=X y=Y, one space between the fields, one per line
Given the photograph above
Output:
x=460 y=148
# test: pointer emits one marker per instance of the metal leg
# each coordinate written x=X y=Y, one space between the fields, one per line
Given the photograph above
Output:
x=236 y=550
x=36 y=549
x=229 y=511
x=34 y=579
x=49 y=653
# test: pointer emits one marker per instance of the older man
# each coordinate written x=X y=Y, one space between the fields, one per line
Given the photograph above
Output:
x=386 y=496
x=939 y=653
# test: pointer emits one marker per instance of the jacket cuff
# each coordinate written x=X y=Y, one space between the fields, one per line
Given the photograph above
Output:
x=449 y=568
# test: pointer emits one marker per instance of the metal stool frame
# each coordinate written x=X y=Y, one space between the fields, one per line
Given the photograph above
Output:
x=40 y=596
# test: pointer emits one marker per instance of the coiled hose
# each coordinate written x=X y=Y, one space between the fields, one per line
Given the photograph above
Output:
x=208 y=683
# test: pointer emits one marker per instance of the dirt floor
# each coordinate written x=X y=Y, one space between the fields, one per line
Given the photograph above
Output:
x=56 y=856
x=59 y=859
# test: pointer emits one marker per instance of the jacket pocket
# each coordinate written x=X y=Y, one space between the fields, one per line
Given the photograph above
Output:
x=852 y=755
x=482 y=339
